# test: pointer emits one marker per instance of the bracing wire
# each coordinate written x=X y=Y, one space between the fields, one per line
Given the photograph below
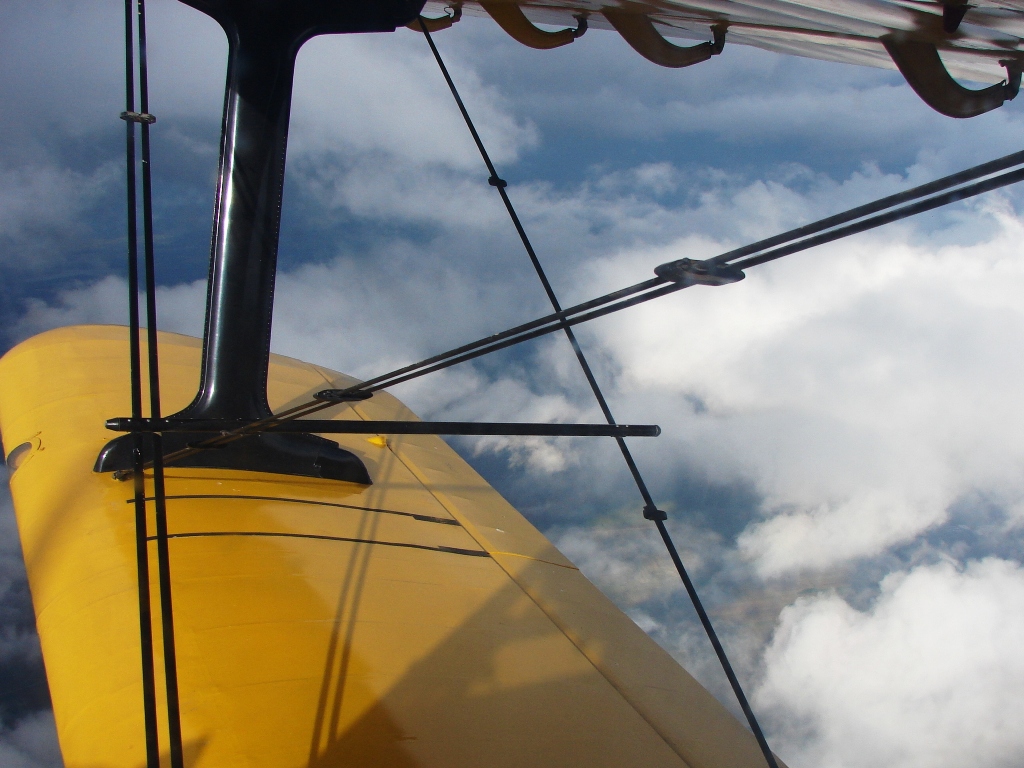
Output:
x=877 y=206
x=149 y=705
x=159 y=491
x=790 y=242
x=650 y=509
x=145 y=119
x=758 y=253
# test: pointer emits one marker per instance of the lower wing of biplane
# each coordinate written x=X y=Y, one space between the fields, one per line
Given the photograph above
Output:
x=416 y=621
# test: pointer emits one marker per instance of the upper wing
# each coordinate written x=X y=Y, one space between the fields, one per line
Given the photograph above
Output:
x=931 y=43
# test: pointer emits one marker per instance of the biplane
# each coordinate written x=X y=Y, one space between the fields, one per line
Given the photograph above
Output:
x=220 y=579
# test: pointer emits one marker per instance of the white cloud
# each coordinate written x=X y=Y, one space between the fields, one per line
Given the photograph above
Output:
x=65 y=71
x=181 y=308
x=102 y=302
x=11 y=564
x=930 y=675
x=36 y=199
x=862 y=388
x=32 y=743
x=628 y=562
x=384 y=92
x=509 y=400
x=41 y=212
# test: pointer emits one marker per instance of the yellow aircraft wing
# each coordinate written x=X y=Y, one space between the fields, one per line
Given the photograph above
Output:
x=418 y=621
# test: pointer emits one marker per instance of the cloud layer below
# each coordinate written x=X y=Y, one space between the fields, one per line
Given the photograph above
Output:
x=929 y=675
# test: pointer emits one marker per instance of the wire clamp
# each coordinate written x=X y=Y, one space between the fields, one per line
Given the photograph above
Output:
x=494 y=181
x=653 y=513
x=138 y=117
x=694 y=272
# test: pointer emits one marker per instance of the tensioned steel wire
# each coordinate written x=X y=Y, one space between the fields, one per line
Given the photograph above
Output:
x=650 y=511
x=149 y=705
x=144 y=119
x=790 y=242
x=925 y=197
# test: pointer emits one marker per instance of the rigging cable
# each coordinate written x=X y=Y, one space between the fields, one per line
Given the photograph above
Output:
x=795 y=240
x=662 y=286
x=145 y=120
x=651 y=512
x=135 y=363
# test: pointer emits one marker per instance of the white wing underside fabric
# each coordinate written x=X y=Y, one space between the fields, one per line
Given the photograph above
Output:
x=847 y=31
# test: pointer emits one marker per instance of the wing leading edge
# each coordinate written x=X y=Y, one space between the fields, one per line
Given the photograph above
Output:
x=419 y=621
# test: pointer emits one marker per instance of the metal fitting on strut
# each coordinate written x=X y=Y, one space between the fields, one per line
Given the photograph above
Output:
x=694 y=272
x=653 y=513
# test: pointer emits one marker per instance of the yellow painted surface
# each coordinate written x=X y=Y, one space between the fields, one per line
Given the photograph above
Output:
x=296 y=651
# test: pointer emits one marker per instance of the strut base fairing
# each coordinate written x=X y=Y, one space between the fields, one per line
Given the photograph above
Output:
x=419 y=621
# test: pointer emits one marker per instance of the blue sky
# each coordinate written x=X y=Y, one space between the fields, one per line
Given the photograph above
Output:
x=842 y=454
